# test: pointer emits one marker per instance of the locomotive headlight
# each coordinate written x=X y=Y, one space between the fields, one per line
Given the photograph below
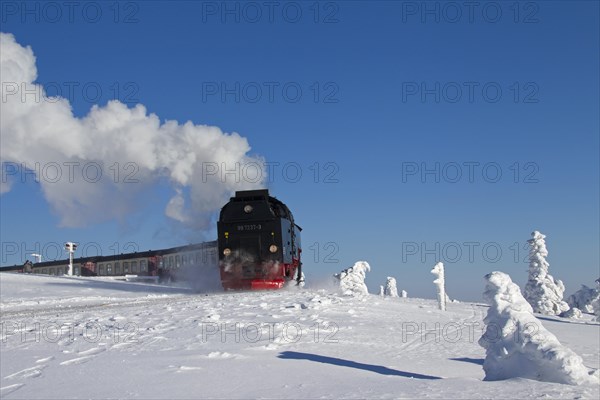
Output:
x=248 y=208
x=226 y=252
x=273 y=248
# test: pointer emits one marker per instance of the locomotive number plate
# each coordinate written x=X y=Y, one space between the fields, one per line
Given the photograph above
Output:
x=249 y=227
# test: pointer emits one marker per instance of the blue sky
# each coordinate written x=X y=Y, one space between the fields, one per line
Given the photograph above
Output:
x=385 y=93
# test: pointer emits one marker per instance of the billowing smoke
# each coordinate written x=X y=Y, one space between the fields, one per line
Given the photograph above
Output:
x=101 y=166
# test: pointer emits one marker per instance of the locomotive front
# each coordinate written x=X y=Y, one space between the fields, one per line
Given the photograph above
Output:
x=259 y=243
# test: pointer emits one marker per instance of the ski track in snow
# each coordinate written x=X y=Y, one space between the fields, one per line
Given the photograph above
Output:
x=32 y=372
x=287 y=344
x=5 y=390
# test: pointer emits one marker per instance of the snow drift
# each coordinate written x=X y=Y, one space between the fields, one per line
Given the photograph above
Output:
x=516 y=343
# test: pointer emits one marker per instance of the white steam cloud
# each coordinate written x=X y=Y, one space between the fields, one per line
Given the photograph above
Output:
x=123 y=151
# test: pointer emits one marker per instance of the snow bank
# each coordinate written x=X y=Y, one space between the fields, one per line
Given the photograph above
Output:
x=352 y=280
x=542 y=291
x=516 y=343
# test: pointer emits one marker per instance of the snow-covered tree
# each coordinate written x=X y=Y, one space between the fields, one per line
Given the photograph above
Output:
x=352 y=280
x=390 y=287
x=404 y=294
x=584 y=299
x=438 y=271
x=542 y=291
x=516 y=343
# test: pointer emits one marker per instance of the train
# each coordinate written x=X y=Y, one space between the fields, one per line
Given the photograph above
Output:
x=258 y=247
x=259 y=243
x=166 y=265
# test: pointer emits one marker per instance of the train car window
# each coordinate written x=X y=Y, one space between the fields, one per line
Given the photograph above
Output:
x=117 y=269
x=134 y=267
x=143 y=266
x=170 y=261
x=177 y=262
x=76 y=270
x=52 y=271
x=100 y=269
x=198 y=258
x=109 y=269
x=125 y=267
x=44 y=271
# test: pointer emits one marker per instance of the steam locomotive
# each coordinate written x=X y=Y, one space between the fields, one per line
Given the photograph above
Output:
x=258 y=247
x=258 y=242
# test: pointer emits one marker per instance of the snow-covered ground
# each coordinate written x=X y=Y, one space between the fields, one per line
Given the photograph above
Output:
x=92 y=338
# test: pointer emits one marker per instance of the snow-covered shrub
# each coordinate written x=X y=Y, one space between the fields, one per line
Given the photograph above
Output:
x=516 y=343
x=404 y=294
x=352 y=280
x=438 y=270
x=381 y=291
x=584 y=299
x=390 y=287
x=573 y=313
x=542 y=291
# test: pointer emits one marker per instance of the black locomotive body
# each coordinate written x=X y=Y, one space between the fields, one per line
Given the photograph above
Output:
x=258 y=242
